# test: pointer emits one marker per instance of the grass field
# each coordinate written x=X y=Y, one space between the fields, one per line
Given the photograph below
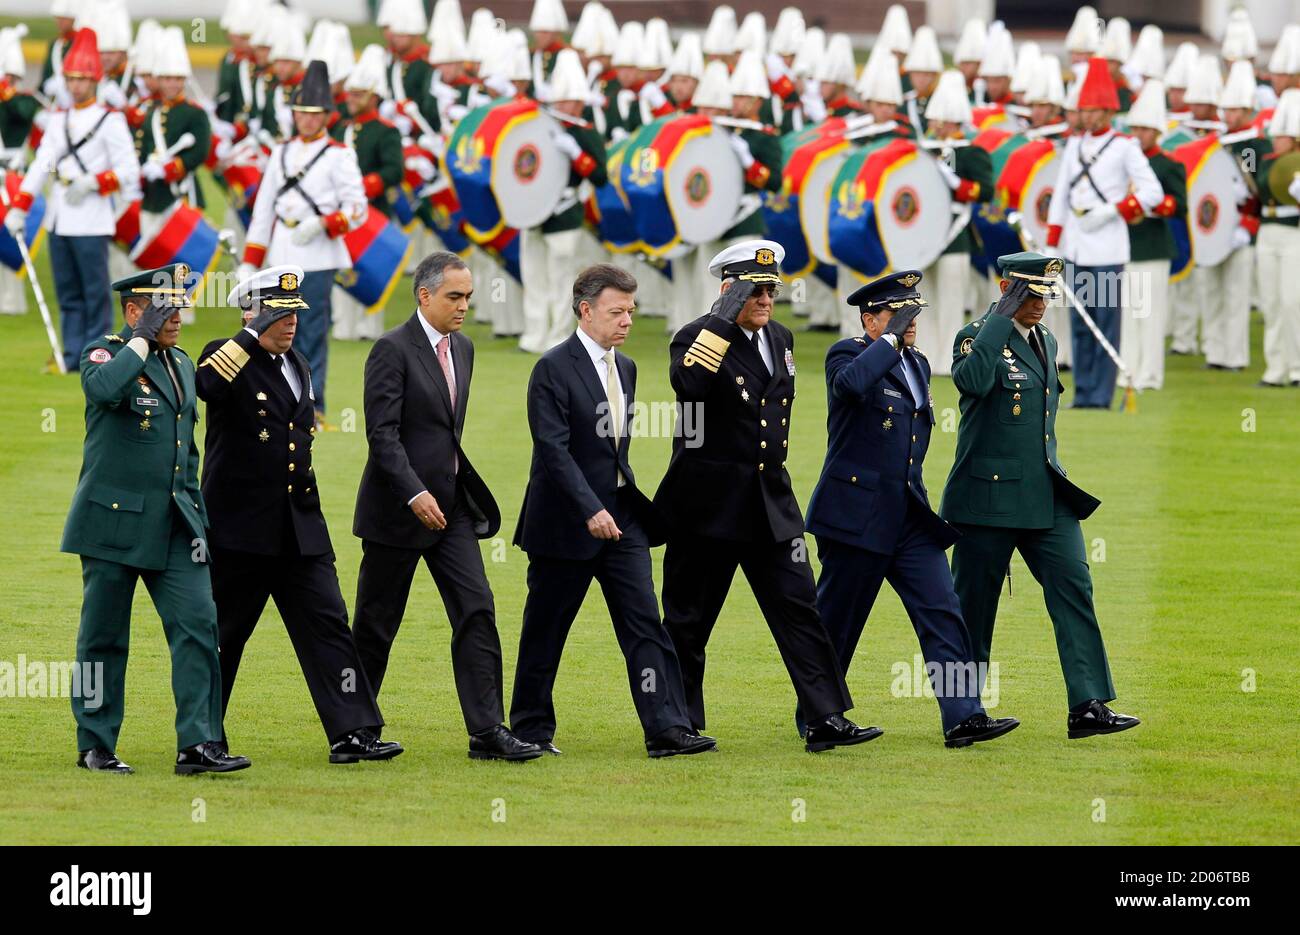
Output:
x=1198 y=585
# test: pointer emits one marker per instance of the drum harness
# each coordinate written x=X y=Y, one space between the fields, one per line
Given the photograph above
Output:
x=295 y=181
x=1085 y=172
x=74 y=147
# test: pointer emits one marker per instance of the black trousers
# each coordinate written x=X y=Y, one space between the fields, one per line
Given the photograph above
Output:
x=697 y=576
x=305 y=589
x=454 y=561
x=556 y=590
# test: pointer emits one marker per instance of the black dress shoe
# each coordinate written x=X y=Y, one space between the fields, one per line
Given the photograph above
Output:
x=99 y=760
x=1093 y=717
x=1272 y=386
x=837 y=731
x=979 y=727
x=498 y=743
x=208 y=757
x=363 y=744
x=547 y=747
x=678 y=741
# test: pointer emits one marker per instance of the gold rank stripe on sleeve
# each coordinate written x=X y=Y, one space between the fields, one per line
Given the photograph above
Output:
x=227 y=360
x=707 y=350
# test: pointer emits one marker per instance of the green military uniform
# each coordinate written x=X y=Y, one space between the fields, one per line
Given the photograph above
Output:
x=1007 y=490
x=1249 y=154
x=593 y=171
x=1268 y=199
x=378 y=145
x=137 y=513
x=173 y=120
x=17 y=114
x=230 y=101
x=1151 y=238
x=417 y=81
x=974 y=165
x=763 y=176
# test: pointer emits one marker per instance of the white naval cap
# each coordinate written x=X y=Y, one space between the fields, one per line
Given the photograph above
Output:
x=276 y=287
x=750 y=260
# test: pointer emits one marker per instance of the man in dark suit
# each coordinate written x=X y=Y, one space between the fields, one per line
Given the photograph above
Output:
x=583 y=517
x=728 y=499
x=420 y=498
x=870 y=511
x=268 y=535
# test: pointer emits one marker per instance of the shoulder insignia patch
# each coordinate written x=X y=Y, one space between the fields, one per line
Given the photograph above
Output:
x=861 y=340
x=966 y=345
x=114 y=339
x=100 y=356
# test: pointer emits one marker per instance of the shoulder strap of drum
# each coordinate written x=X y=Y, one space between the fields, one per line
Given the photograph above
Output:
x=73 y=147
x=1087 y=164
x=295 y=181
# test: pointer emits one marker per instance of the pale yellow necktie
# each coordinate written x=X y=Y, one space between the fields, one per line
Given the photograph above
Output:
x=612 y=394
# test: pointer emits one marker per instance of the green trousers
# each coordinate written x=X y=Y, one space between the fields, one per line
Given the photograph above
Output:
x=1057 y=559
x=182 y=595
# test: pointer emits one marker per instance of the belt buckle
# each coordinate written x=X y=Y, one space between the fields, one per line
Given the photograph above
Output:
x=289 y=224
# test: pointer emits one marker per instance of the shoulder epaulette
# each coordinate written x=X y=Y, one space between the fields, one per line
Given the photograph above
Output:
x=114 y=339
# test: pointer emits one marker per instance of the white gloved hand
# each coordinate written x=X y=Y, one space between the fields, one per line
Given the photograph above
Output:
x=153 y=170
x=1098 y=217
x=53 y=85
x=949 y=176
x=224 y=149
x=566 y=144
x=403 y=124
x=245 y=270
x=422 y=166
x=617 y=134
x=446 y=95
x=81 y=186
x=742 y=150
x=653 y=95
x=814 y=106
x=776 y=69
x=456 y=111
x=307 y=231
x=499 y=85
x=388 y=110
x=223 y=130
x=111 y=93
x=16 y=221
x=1240 y=237
x=1294 y=188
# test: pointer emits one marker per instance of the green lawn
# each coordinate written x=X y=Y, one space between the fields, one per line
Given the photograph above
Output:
x=1198 y=584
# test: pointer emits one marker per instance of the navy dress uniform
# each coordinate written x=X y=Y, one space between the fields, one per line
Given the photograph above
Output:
x=727 y=495
x=137 y=514
x=870 y=511
x=1008 y=491
x=268 y=536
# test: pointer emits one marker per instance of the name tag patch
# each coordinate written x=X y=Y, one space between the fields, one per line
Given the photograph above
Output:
x=145 y=401
x=1018 y=376
x=893 y=393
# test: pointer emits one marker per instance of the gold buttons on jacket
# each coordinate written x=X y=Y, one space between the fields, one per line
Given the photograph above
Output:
x=178 y=443
x=291 y=426
x=785 y=443
x=762 y=402
x=148 y=413
x=760 y=465
x=785 y=402
x=853 y=479
x=783 y=421
x=763 y=422
x=995 y=477
x=115 y=506
x=292 y=466
x=762 y=444
x=889 y=409
x=291 y=488
x=292 y=447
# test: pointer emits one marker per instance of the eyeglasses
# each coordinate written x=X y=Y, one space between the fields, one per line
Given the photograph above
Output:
x=767 y=288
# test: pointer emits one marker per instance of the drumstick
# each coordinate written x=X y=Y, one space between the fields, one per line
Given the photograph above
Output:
x=36 y=283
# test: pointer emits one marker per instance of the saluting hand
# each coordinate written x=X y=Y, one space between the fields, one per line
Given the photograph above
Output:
x=728 y=305
x=1012 y=299
x=426 y=510
x=602 y=526
x=151 y=321
x=899 y=322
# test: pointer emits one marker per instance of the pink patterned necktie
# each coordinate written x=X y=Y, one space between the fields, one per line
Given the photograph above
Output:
x=445 y=361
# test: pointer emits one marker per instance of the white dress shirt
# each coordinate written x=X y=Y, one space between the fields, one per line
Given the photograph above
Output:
x=759 y=339
x=597 y=355
x=286 y=368
x=435 y=336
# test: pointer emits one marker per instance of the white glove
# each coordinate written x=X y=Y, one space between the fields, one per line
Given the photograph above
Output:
x=776 y=67
x=1098 y=217
x=244 y=271
x=499 y=85
x=223 y=130
x=421 y=165
x=403 y=124
x=653 y=95
x=814 y=106
x=307 y=231
x=224 y=149
x=1294 y=188
x=617 y=134
x=81 y=186
x=111 y=94
x=742 y=150
x=53 y=85
x=153 y=170
x=456 y=111
x=949 y=176
x=16 y=221
x=388 y=110
x=42 y=119
x=566 y=144
x=1240 y=237
x=446 y=95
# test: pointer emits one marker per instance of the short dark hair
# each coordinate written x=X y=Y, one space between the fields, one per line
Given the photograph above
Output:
x=594 y=280
x=428 y=275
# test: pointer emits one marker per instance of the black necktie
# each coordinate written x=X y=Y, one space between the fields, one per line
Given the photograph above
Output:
x=757 y=338
x=1038 y=348
x=167 y=365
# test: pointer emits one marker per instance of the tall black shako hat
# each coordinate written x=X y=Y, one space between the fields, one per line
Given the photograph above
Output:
x=313 y=95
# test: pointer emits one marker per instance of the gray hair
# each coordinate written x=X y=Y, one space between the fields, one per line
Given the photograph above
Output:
x=430 y=272
x=594 y=280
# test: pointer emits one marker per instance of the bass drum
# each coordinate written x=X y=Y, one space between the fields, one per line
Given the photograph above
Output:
x=1025 y=176
x=796 y=217
x=890 y=209
x=682 y=182
x=505 y=168
x=1213 y=186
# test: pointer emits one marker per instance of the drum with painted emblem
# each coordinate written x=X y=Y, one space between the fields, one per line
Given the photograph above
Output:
x=1213 y=184
x=505 y=168
x=33 y=232
x=796 y=217
x=181 y=234
x=1024 y=173
x=890 y=208
x=379 y=250
x=682 y=183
